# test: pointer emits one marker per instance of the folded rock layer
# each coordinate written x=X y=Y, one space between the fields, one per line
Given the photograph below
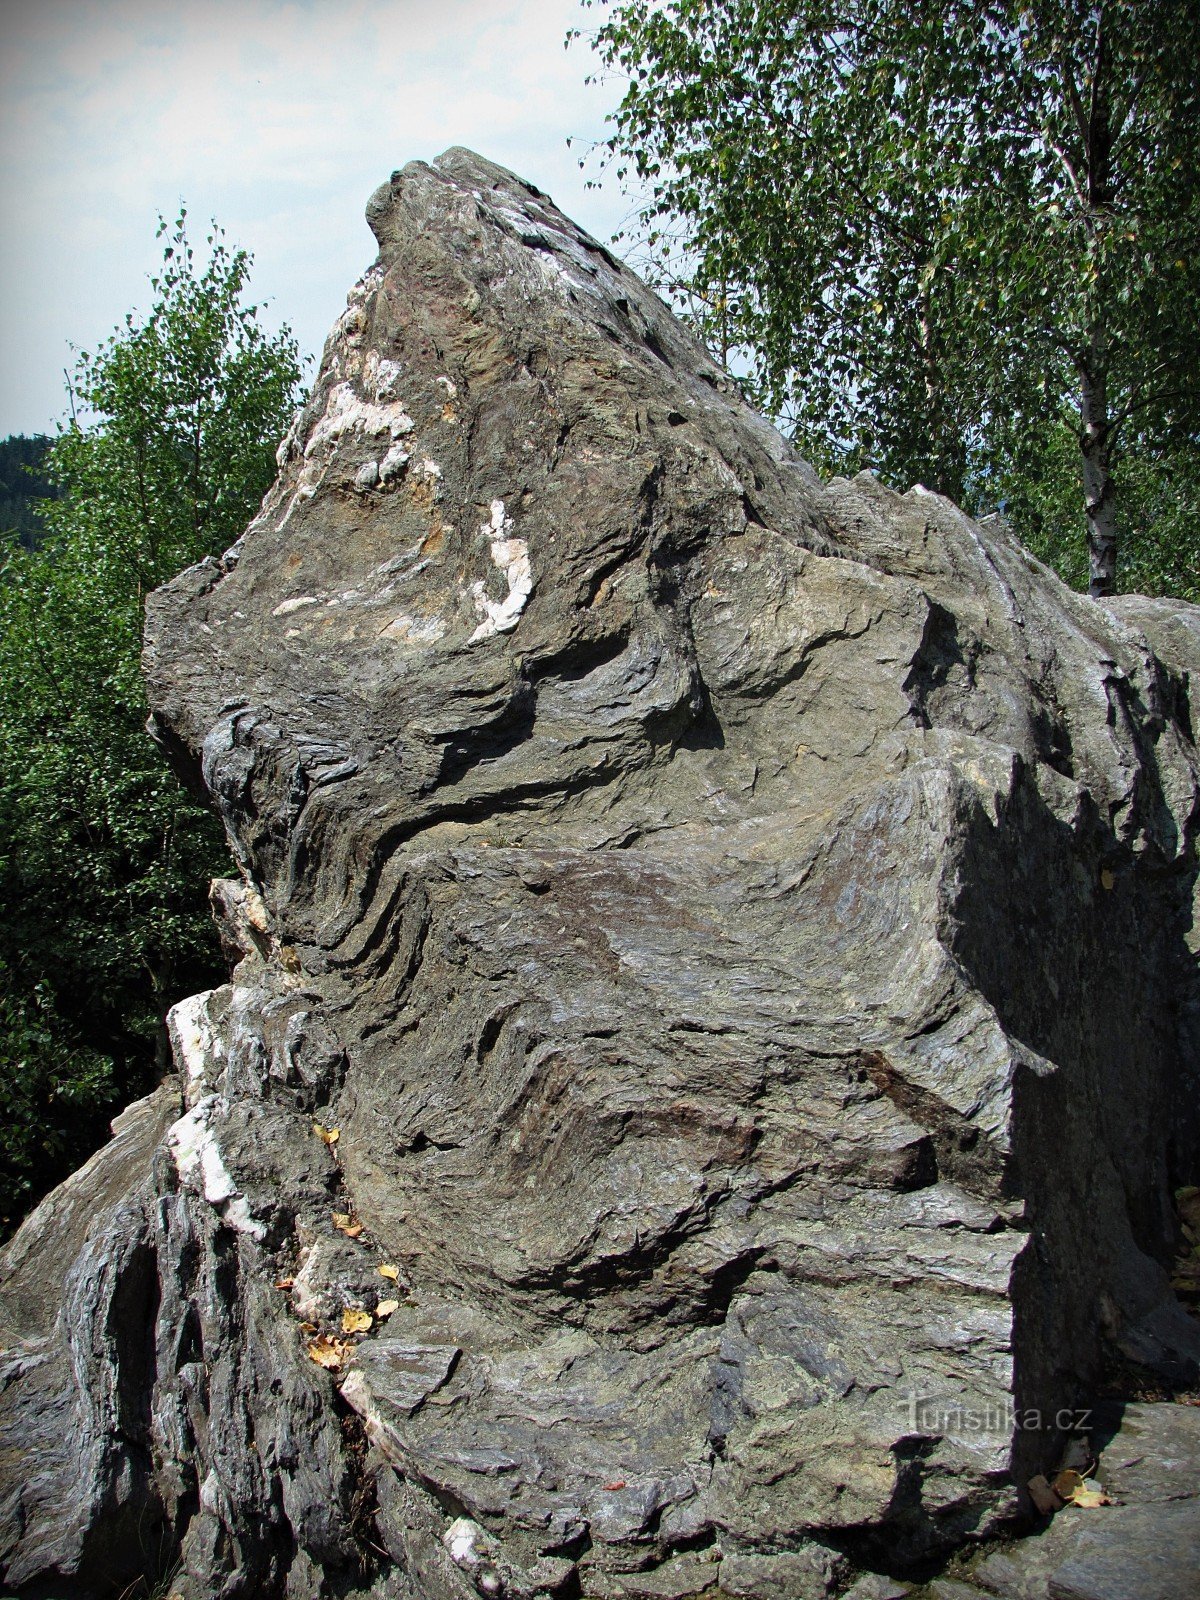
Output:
x=724 y=942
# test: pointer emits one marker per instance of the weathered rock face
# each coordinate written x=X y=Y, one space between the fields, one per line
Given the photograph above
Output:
x=742 y=930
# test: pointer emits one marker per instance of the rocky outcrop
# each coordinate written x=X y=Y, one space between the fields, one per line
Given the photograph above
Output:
x=724 y=943
x=1143 y=1545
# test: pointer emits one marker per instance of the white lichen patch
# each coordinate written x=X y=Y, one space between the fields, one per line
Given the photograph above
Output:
x=361 y=403
x=414 y=630
x=195 y=1045
x=201 y=1167
x=289 y=444
x=381 y=375
x=511 y=556
x=407 y=563
x=348 y=414
x=449 y=385
x=371 y=280
x=310 y=480
x=313 y=1271
x=351 y=326
x=286 y=607
x=393 y=463
x=467 y=1543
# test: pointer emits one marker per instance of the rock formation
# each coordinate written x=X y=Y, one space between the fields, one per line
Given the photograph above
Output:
x=724 y=942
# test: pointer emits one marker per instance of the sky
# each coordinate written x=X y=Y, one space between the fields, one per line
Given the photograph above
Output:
x=275 y=117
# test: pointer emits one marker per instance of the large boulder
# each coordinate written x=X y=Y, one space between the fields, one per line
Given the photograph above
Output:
x=723 y=942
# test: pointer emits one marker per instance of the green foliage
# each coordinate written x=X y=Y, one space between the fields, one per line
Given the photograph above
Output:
x=51 y=1085
x=1160 y=504
x=1162 y=523
x=22 y=484
x=104 y=859
x=933 y=234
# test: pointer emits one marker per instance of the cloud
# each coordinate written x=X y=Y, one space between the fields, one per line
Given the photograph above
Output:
x=277 y=117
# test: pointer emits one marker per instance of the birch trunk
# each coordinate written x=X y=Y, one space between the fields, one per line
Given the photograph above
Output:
x=1099 y=493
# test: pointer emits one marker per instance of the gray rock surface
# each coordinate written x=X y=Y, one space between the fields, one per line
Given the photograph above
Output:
x=1144 y=1546
x=1128 y=1552
x=742 y=932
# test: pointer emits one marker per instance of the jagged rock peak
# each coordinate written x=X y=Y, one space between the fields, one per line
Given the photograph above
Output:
x=719 y=940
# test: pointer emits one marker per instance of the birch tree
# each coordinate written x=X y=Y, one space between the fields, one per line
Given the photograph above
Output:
x=931 y=233
x=104 y=859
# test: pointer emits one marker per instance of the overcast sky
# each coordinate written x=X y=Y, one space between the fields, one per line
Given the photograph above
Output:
x=276 y=117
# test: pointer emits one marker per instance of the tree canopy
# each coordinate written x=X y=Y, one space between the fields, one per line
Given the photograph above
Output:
x=944 y=240
x=104 y=860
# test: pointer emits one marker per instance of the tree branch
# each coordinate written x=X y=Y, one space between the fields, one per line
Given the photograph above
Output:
x=1069 y=169
x=1184 y=392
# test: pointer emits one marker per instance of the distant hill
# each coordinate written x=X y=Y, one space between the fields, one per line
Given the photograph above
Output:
x=22 y=484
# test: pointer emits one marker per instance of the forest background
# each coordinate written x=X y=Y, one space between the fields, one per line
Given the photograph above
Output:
x=955 y=245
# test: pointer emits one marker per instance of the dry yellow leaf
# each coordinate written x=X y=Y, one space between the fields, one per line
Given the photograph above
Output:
x=386 y=1307
x=329 y=1135
x=328 y=1353
x=387 y=1270
x=1090 y=1495
x=355 y=1321
x=1067 y=1483
x=342 y=1219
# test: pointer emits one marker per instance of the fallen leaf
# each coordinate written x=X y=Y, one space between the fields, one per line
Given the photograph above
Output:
x=355 y=1321
x=1107 y=877
x=1067 y=1483
x=1043 y=1496
x=386 y=1307
x=617 y=1483
x=284 y=1283
x=329 y=1135
x=389 y=1271
x=1089 y=1495
x=328 y=1353
x=342 y=1219
x=308 y=1327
